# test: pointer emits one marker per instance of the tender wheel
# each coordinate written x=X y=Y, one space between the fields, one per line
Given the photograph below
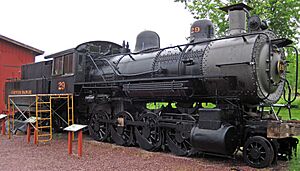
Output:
x=148 y=136
x=258 y=152
x=98 y=128
x=122 y=131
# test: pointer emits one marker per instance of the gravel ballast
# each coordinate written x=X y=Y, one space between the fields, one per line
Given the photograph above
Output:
x=17 y=155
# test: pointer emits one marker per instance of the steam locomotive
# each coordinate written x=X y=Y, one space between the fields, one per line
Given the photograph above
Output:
x=241 y=75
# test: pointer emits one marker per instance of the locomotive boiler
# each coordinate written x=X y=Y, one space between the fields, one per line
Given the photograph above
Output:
x=241 y=75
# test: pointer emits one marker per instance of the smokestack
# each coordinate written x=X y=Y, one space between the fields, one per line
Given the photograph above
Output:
x=237 y=17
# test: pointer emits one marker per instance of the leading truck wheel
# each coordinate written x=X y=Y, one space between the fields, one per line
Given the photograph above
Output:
x=258 y=152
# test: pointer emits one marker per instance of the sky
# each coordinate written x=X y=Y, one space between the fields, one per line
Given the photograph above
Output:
x=56 y=25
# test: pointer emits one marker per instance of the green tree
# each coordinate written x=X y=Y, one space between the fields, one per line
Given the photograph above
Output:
x=282 y=17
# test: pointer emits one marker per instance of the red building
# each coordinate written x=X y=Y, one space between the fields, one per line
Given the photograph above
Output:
x=13 y=54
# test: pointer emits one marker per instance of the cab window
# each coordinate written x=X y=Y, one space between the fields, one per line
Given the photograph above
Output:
x=63 y=65
x=68 y=64
x=58 y=66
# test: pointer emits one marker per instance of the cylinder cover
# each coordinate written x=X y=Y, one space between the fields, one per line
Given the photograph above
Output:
x=221 y=141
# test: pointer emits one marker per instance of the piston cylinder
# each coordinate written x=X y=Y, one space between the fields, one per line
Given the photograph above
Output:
x=220 y=141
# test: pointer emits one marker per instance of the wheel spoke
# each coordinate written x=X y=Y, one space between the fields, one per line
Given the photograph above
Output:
x=260 y=147
x=102 y=132
x=185 y=145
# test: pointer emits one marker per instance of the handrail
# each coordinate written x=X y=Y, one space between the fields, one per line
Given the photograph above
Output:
x=296 y=74
x=89 y=55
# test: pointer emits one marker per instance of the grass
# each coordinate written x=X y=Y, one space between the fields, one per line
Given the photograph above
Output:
x=295 y=110
x=293 y=164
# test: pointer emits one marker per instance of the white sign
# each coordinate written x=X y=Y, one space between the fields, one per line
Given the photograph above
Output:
x=74 y=127
x=2 y=116
x=32 y=119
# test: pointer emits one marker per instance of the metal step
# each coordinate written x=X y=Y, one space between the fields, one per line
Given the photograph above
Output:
x=43 y=111
x=47 y=140
x=42 y=127
x=43 y=119
x=44 y=135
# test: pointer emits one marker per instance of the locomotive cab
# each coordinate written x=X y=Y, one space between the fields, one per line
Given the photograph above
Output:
x=79 y=64
x=63 y=71
x=91 y=56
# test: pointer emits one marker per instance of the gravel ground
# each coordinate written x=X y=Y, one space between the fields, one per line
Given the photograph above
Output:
x=17 y=155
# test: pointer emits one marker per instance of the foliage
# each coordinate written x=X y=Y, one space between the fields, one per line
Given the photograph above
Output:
x=159 y=105
x=282 y=16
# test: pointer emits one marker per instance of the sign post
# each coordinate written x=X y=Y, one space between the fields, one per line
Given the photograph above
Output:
x=30 y=121
x=2 y=118
x=75 y=128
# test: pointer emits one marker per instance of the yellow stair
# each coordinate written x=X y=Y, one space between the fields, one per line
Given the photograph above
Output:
x=70 y=110
x=44 y=119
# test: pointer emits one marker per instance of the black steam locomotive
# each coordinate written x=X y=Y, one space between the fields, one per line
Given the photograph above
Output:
x=242 y=74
